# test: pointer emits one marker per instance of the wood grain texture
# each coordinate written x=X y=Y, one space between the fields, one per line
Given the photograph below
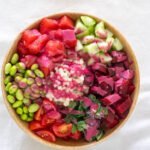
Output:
x=70 y=144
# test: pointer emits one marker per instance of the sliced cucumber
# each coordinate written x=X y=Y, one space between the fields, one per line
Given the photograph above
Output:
x=79 y=46
x=105 y=58
x=117 y=45
x=109 y=33
x=100 y=30
x=91 y=49
x=103 y=46
x=110 y=41
x=88 y=21
x=88 y=39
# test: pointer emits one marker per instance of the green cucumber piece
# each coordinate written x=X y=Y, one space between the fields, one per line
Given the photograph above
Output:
x=117 y=45
x=79 y=46
x=88 y=39
x=88 y=21
x=80 y=27
x=105 y=58
x=109 y=33
x=91 y=49
x=100 y=29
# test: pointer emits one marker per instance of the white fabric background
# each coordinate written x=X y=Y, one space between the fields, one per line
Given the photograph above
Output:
x=131 y=17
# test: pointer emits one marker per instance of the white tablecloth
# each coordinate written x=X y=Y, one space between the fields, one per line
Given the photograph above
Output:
x=131 y=17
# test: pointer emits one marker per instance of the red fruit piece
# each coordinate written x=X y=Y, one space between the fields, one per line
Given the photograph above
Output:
x=124 y=106
x=39 y=114
x=69 y=38
x=111 y=99
x=50 y=118
x=54 y=48
x=76 y=135
x=46 y=135
x=22 y=50
x=35 y=125
x=45 y=64
x=30 y=35
x=62 y=130
x=48 y=105
x=36 y=46
x=29 y=60
x=56 y=35
x=48 y=24
x=66 y=23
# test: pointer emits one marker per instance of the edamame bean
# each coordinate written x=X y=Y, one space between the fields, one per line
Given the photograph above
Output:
x=29 y=119
x=19 y=94
x=26 y=101
x=15 y=58
x=7 y=79
x=18 y=78
x=30 y=81
x=29 y=73
x=24 y=117
x=25 y=109
x=21 y=67
x=17 y=104
x=8 y=86
x=13 y=70
x=31 y=115
x=11 y=99
x=23 y=83
x=34 y=67
x=19 y=111
x=13 y=89
x=39 y=73
x=7 y=68
x=33 y=108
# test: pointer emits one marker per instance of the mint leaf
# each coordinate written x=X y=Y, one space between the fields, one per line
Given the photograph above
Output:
x=74 y=128
x=81 y=125
x=100 y=135
x=72 y=104
x=93 y=98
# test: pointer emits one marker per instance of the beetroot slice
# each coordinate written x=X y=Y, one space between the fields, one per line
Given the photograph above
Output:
x=124 y=106
x=111 y=99
x=127 y=74
x=99 y=67
x=118 y=56
x=98 y=90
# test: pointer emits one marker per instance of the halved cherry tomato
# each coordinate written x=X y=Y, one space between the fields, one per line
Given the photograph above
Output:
x=54 y=48
x=62 y=130
x=50 y=118
x=76 y=135
x=66 y=23
x=48 y=105
x=46 y=135
x=47 y=25
x=35 y=125
x=38 y=114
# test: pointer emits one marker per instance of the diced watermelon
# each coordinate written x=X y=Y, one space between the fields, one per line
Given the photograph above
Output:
x=66 y=23
x=69 y=38
x=29 y=60
x=45 y=64
x=29 y=36
x=37 y=46
x=54 y=48
x=111 y=99
x=21 y=48
x=47 y=25
x=56 y=35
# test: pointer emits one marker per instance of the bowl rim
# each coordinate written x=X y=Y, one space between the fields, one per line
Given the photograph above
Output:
x=50 y=144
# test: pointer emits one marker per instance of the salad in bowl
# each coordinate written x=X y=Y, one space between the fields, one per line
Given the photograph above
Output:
x=70 y=78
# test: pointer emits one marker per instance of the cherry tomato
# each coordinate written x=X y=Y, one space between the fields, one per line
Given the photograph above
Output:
x=50 y=118
x=48 y=105
x=46 y=135
x=35 y=125
x=38 y=114
x=76 y=135
x=62 y=130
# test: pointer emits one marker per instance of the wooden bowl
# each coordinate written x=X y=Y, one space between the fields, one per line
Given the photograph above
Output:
x=61 y=144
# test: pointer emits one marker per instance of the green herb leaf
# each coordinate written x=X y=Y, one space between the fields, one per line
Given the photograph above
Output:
x=69 y=118
x=99 y=136
x=93 y=98
x=72 y=104
x=81 y=125
x=74 y=128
